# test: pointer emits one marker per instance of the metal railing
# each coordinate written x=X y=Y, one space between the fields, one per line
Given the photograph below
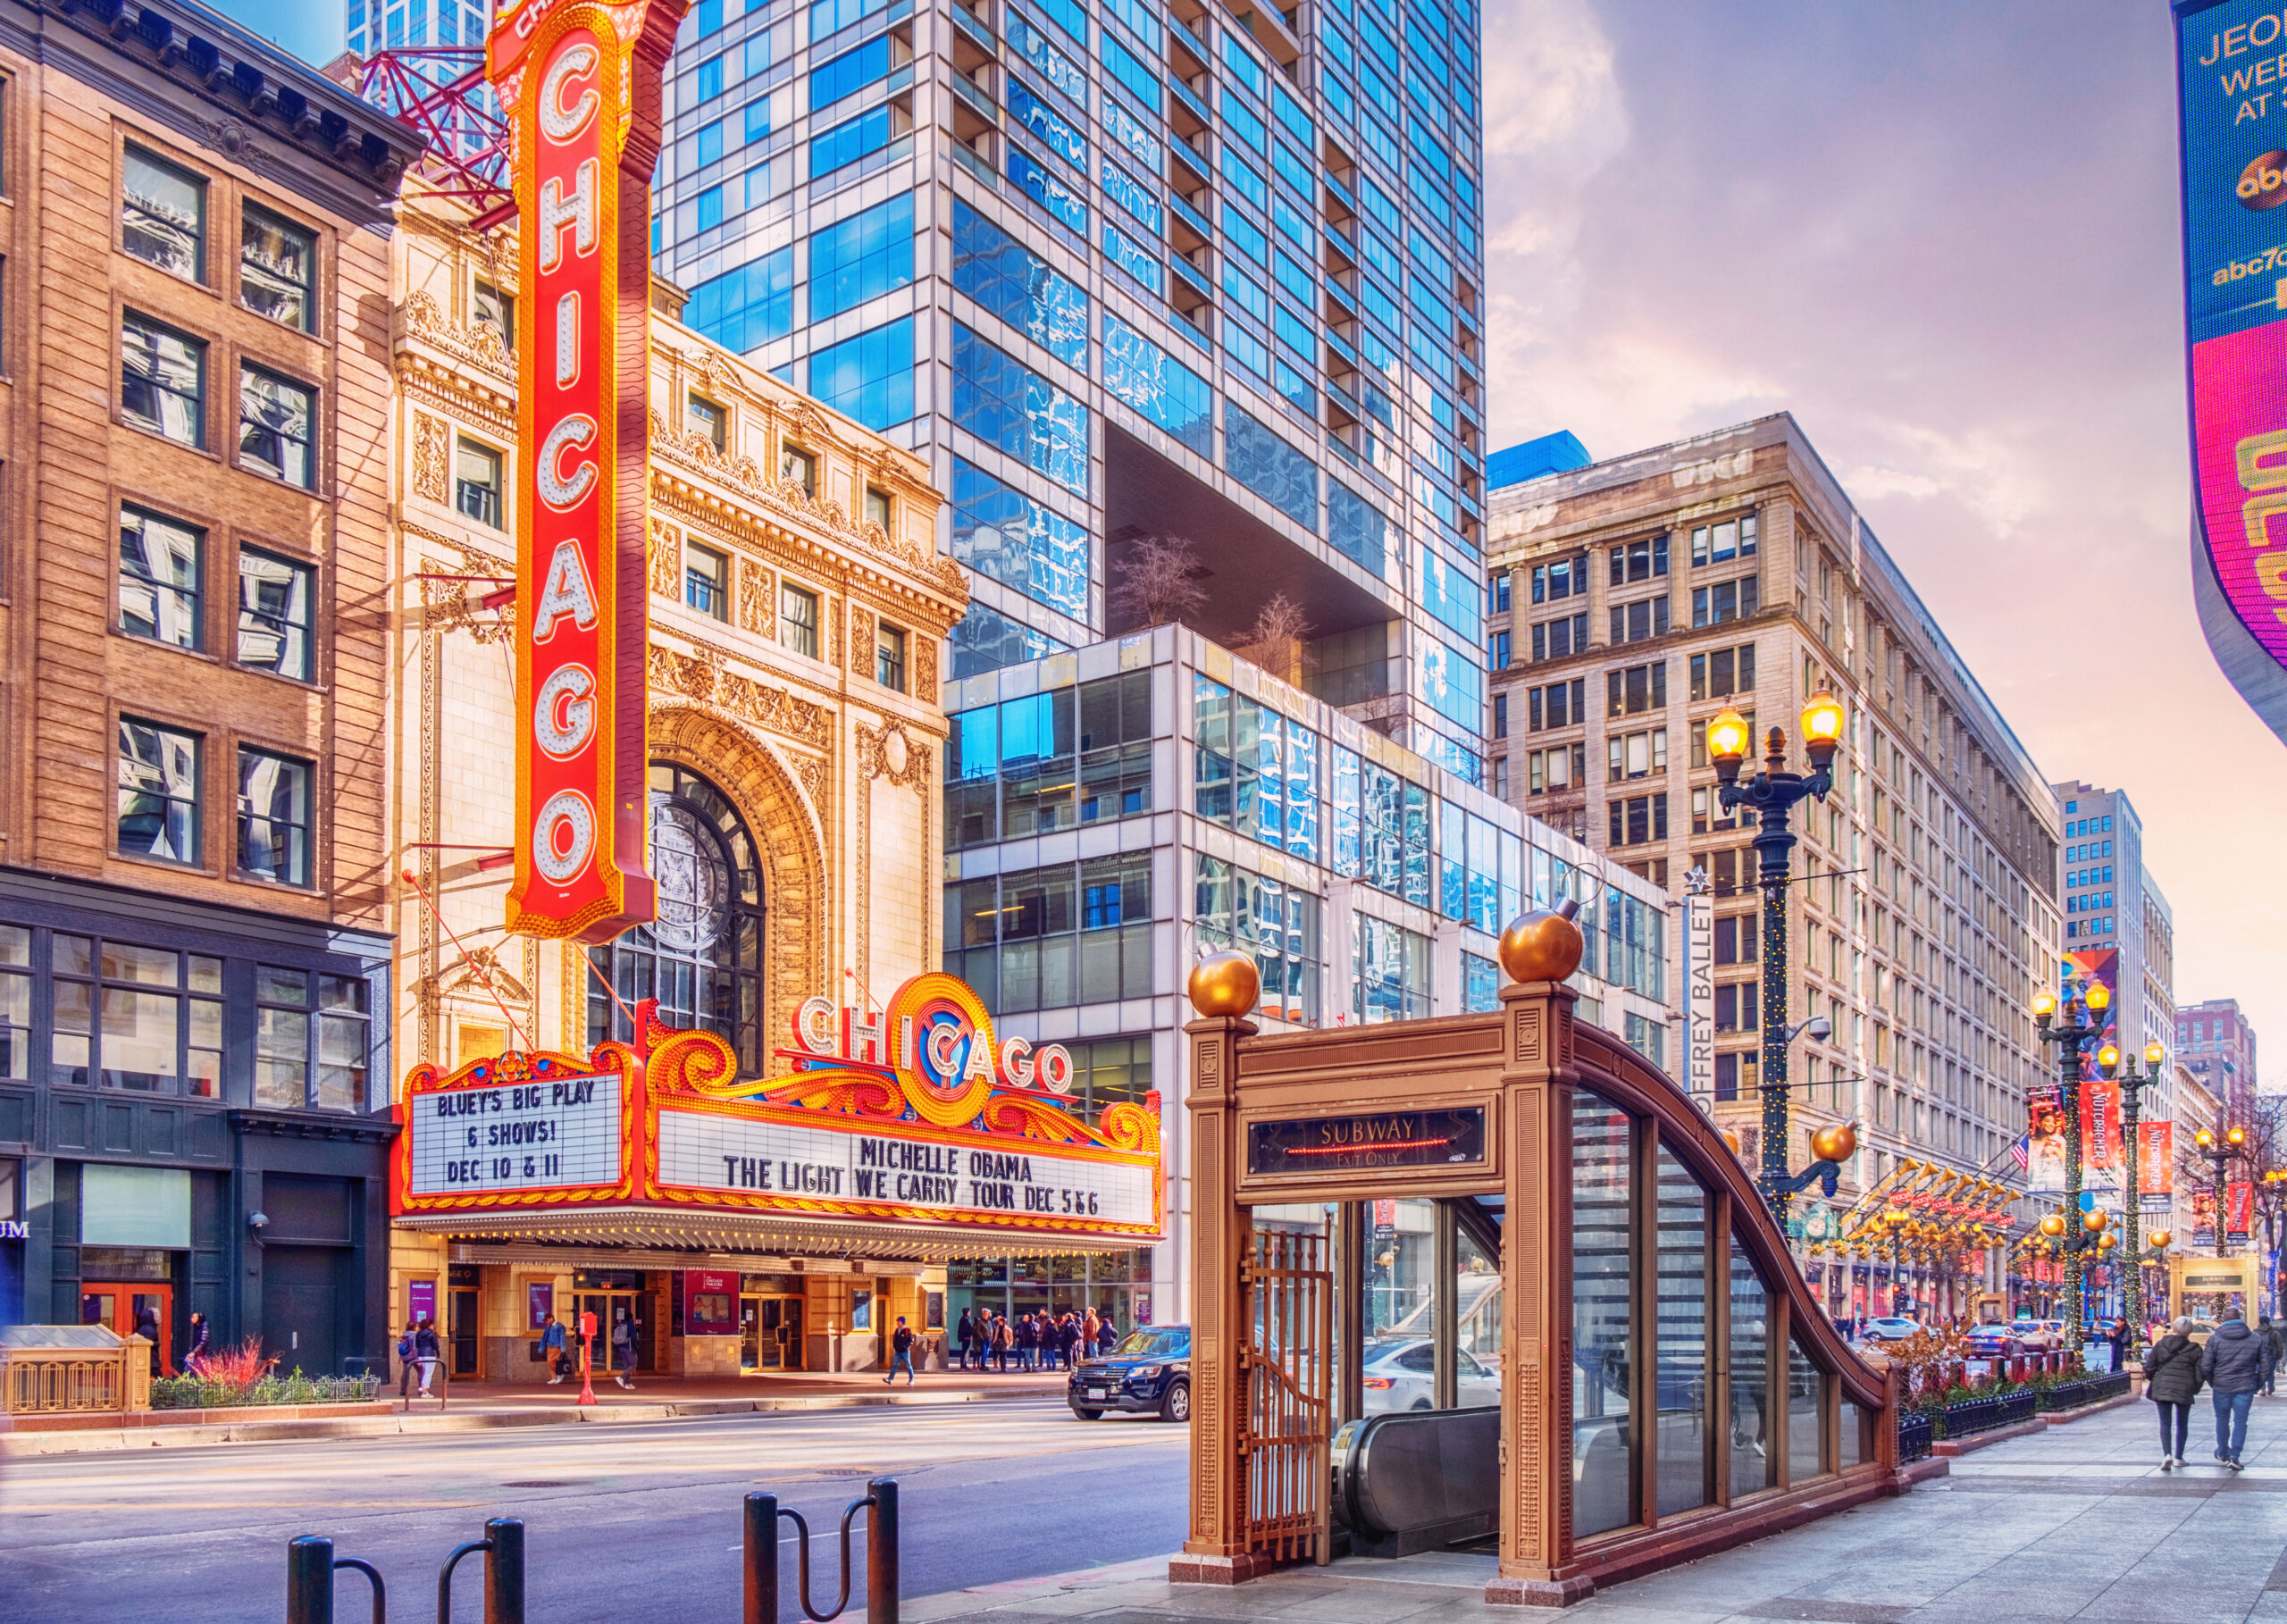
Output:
x=311 y=1565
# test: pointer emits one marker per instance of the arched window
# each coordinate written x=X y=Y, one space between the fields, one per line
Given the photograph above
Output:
x=702 y=957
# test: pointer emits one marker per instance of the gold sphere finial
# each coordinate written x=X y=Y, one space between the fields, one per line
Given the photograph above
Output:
x=1837 y=1142
x=2053 y=1225
x=1544 y=946
x=1225 y=983
x=2159 y=1239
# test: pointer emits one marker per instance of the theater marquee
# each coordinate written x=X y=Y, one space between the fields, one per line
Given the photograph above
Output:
x=917 y=1115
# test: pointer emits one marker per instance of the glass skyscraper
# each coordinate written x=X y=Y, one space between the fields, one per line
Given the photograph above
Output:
x=376 y=25
x=1120 y=272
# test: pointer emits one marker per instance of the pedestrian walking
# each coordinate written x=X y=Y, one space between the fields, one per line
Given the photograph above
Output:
x=1004 y=1341
x=1107 y=1333
x=201 y=1333
x=428 y=1354
x=147 y=1327
x=901 y=1352
x=2236 y=1365
x=963 y=1334
x=1067 y=1333
x=551 y=1349
x=2172 y=1381
x=2118 y=1337
x=622 y=1349
x=2271 y=1334
x=1089 y=1326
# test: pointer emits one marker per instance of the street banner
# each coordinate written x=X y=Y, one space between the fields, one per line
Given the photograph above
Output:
x=2101 y=1127
x=1699 y=992
x=2155 y=1166
x=2239 y=1209
x=2092 y=967
x=2234 y=110
x=2203 y=1218
x=2045 y=1144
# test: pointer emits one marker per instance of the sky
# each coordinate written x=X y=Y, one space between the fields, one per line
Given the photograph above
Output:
x=1945 y=237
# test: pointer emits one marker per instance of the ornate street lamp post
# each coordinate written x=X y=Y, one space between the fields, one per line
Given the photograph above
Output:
x=2078 y=1025
x=2218 y=1156
x=1773 y=793
x=2132 y=1084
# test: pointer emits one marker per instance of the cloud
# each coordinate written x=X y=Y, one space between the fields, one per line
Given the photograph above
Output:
x=1551 y=93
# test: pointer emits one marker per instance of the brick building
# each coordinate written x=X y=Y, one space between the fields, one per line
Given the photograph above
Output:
x=193 y=426
x=1636 y=597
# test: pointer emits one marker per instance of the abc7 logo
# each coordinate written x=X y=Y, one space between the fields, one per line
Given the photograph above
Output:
x=2262 y=183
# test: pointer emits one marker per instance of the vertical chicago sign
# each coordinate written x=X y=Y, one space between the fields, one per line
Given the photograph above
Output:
x=579 y=83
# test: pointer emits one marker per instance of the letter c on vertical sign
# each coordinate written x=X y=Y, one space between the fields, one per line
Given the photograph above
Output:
x=558 y=123
x=576 y=432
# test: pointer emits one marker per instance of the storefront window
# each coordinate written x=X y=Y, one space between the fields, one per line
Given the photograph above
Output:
x=1604 y=1234
x=15 y=1004
x=1680 y=1321
x=1805 y=1403
x=122 y=1021
x=701 y=958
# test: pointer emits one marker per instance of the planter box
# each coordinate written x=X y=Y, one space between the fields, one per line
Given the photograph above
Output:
x=101 y=1420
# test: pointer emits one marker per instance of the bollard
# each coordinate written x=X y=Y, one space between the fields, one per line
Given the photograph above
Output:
x=880 y=1551
x=310 y=1568
x=503 y=1545
x=761 y=1559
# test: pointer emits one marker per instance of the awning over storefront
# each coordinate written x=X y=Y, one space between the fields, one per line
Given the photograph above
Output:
x=761 y=1242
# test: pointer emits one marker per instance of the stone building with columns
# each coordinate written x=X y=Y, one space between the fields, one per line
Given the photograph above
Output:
x=799 y=609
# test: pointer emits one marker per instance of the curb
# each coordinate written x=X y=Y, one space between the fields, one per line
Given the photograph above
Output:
x=1951 y=1448
x=1016 y=1592
x=21 y=1444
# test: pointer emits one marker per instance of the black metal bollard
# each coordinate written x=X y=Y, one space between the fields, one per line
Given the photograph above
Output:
x=880 y=1551
x=761 y=1559
x=503 y=1545
x=309 y=1580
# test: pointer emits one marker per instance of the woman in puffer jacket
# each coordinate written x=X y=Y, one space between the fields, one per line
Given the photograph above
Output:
x=2172 y=1381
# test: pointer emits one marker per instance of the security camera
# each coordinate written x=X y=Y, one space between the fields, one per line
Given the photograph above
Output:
x=257 y=1221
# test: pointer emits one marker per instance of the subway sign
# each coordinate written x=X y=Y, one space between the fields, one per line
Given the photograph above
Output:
x=579 y=84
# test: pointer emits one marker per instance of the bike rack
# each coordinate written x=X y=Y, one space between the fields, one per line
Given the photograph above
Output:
x=503 y=1545
x=761 y=1557
x=310 y=1567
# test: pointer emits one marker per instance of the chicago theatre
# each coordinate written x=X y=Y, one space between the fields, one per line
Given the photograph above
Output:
x=762 y=1125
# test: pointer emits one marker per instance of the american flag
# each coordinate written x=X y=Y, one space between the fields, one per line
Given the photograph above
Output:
x=2021 y=1153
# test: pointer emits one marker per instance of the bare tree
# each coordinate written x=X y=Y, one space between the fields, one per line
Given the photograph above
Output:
x=1275 y=641
x=1157 y=581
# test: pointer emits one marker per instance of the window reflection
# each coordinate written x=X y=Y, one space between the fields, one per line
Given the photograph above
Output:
x=1681 y=1357
x=1602 y=1234
x=1805 y=1401
x=1753 y=1466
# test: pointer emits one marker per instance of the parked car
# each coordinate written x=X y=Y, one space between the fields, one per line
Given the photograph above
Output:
x=1401 y=1372
x=1148 y=1374
x=1891 y=1327
x=1995 y=1339
x=2038 y=1335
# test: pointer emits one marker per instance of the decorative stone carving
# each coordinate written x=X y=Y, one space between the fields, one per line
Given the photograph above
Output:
x=480 y=345
x=888 y=752
x=758 y=608
x=811 y=771
x=432 y=456
x=666 y=559
x=924 y=669
x=861 y=640
x=703 y=678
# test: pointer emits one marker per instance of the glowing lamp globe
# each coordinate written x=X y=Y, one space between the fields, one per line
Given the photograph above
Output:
x=2044 y=1004
x=2099 y=998
x=1728 y=736
x=1225 y=983
x=2154 y=1054
x=2108 y=1059
x=1542 y=946
x=1838 y=1143
x=2237 y=1134
x=2053 y=1225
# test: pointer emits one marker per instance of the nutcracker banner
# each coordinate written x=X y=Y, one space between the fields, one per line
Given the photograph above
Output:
x=579 y=85
x=2100 y=1141
x=2156 y=1165
x=2239 y=1209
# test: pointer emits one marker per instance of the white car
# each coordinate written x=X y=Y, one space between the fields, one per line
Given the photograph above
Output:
x=1399 y=1374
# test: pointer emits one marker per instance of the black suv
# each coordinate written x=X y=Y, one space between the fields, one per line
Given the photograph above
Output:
x=1149 y=1372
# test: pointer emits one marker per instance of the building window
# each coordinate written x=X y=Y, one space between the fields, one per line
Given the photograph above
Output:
x=163 y=215
x=1496 y=650
x=1554 y=639
x=1638 y=820
x=1720 y=543
x=1254 y=770
x=798 y=619
x=889 y=658
x=1639 y=622
x=133 y=1017
x=277 y=426
x=1557 y=705
x=1641 y=560
x=277 y=267
x=1015 y=769
x=1565 y=767
x=476 y=482
x=1638 y=755
x=1565 y=578
x=274 y=818
x=1053 y=937
x=1734 y=937
x=162 y=379
x=158 y=791
x=15 y=1023
x=1734 y=1072
x=497 y=310
x=1727 y=601
x=1735 y=1006
x=701 y=957
x=1720 y=672
x=1635 y=689
x=1497 y=592
x=1480 y=984
x=345 y=1036
x=1501 y=777
x=1274 y=923
x=1389 y=972
x=275 y=607
x=1499 y=716
x=877 y=508
x=709 y=421
x=1111 y=1071
x=161 y=571
x=706 y=584
x=799 y=466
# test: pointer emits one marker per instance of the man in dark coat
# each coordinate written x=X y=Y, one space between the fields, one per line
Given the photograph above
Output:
x=962 y=1335
x=2172 y=1381
x=2270 y=1333
x=2236 y=1365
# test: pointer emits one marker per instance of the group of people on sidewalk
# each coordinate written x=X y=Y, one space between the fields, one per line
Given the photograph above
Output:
x=1037 y=1340
x=2237 y=1361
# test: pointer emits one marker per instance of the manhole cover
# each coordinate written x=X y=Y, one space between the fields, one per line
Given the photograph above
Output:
x=541 y=1482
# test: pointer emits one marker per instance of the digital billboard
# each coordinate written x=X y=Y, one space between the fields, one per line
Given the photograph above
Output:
x=2232 y=98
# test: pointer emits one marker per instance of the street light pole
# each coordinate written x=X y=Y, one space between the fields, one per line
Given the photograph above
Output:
x=2078 y=1025
x=2132 y=1084
x=1774 y=793
x=2218 y=1156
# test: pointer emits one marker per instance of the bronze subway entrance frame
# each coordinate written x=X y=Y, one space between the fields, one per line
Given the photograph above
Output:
x=1484 y=1105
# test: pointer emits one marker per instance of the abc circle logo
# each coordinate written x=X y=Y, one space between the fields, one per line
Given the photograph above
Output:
x=2262 y=183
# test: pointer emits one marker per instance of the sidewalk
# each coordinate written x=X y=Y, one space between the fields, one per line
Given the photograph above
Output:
x=2072 y=1523
x=474 y=1405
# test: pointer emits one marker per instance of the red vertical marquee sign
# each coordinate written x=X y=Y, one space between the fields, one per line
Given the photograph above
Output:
x=579 y=83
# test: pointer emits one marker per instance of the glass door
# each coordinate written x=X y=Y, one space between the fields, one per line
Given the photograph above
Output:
x=129 y=1308
x=751 y=1333
x=462 y=1321
x=778 y=1333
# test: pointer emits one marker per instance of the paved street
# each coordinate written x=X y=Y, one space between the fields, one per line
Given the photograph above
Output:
x=627 y=1523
